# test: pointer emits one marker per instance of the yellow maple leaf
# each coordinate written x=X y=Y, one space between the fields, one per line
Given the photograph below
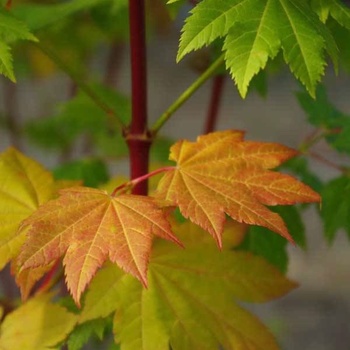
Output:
x=24 y=185
x=221 y=173
x=191 y=299
x=36 y=325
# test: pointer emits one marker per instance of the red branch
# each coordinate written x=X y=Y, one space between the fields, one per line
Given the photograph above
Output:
x=137 y=136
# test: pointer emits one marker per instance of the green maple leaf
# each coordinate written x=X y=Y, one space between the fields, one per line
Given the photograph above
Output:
x=247 y=42
x=11 y=30
x=336 y=207
x=322 y=113
x=190 y=299
x=255 y=31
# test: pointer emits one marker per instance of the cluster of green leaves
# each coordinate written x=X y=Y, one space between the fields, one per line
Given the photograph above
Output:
x=254 y=31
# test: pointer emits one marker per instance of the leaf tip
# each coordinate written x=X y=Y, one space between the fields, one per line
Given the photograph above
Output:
x=175 y=240
x=218 y=241
x=143 y=279
x=288 y=237
x=243 y=90
x=179 y=57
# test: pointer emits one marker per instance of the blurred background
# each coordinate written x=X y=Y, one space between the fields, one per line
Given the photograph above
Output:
x=316 y=316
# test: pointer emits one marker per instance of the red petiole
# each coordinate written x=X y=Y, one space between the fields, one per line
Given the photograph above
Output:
x=132 y=183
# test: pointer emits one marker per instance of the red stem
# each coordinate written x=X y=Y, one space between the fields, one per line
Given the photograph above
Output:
x=215 y=100
x=137 y=136
x=145 y=177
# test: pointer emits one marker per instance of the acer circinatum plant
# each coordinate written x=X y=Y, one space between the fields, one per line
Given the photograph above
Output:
x=161 y=265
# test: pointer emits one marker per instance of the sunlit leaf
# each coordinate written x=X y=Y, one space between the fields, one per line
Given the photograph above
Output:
x=88 y=226
x=221 y=173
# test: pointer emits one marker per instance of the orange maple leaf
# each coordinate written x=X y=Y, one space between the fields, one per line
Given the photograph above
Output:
x=221 y=173
x=88 y=226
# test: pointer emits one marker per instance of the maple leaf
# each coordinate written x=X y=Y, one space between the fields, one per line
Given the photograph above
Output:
x=36 y=325
x=88 y=226
x=24 y=185
x=256 y=30
x=190 y=299
x=221 y=173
